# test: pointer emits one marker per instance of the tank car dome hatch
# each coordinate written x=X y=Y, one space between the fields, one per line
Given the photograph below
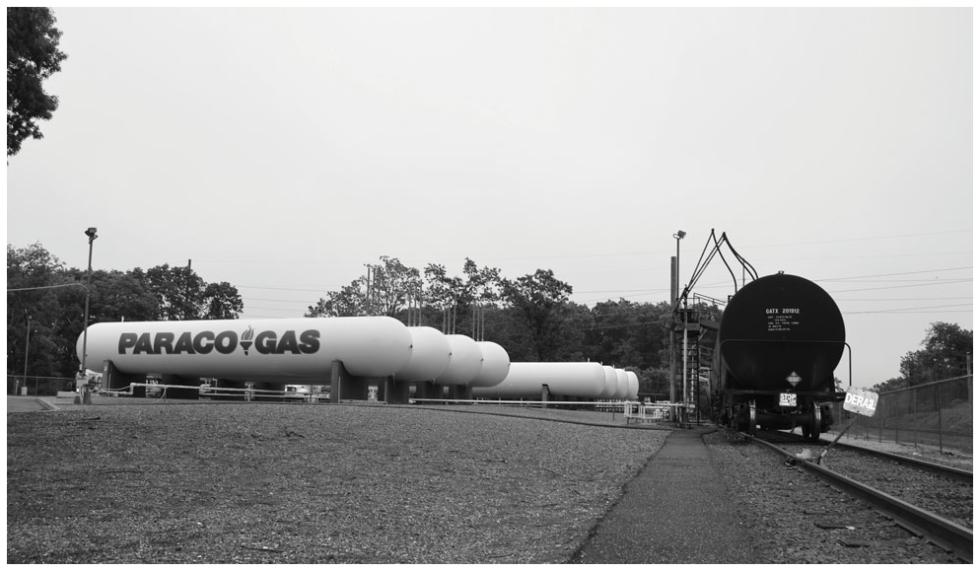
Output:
x=430 y=355
x=496 y=365
x=775 y=323
x=464 y=363
x=609 y=387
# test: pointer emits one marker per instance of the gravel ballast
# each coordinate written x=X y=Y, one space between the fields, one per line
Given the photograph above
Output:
x=796 y=517
x=270 y=483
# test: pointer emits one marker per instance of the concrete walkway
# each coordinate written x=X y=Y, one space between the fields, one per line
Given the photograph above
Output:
x=676 y=510
x=25 y=404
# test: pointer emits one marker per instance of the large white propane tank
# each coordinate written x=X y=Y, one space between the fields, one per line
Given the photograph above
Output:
x=622 y=385
x=496 y=364
x=247 y=348
x=465 y=362
x=633 y=386
x=524 y=380
x=430 y=355
x=609 y=387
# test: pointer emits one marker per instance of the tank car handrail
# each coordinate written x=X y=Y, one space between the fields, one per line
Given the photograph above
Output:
x=850 y=373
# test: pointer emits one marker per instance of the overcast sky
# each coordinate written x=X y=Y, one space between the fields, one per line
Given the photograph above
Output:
x=283 y=149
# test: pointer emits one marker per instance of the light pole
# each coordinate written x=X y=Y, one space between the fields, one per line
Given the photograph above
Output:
x=673 y=379
x=27 y=348
x=90 y=232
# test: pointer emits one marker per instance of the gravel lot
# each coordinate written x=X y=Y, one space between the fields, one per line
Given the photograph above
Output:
x=270 y=483
x=798 y=518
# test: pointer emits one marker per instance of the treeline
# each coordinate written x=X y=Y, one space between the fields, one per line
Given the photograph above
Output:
x=49 y=298
x=946 y=353
x=530 y=316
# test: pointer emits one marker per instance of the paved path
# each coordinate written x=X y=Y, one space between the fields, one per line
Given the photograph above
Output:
x=676 y=510
x=24 y=404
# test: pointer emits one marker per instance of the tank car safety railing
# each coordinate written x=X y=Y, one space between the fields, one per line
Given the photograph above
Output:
x=850 y=374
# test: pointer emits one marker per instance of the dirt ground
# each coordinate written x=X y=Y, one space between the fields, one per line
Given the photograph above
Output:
x=295 y=483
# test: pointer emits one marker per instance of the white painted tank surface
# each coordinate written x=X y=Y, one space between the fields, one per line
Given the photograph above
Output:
x=430 y=355
x=609 y=387
x=633 y=386
x=622 y=385
x=496 y=365
x=465 y=362
x=375 y=346
x=524 y=380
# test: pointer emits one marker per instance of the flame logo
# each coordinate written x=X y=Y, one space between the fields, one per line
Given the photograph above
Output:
x=246 y=339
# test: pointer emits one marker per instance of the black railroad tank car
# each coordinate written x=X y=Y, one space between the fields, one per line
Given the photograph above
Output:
x=779 y=341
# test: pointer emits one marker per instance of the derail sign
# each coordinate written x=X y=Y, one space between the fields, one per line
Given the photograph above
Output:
x=861 y=402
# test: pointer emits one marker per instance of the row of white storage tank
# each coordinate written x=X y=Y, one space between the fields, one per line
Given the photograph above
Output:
x=574 y=380
x=292 y=349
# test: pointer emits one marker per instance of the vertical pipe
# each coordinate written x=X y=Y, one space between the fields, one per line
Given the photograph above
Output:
x=27 y=348
x=684 y=365
x=673 y=357
x=915 y=431
x=673 y=280
x=367 y=291
x=939 y=414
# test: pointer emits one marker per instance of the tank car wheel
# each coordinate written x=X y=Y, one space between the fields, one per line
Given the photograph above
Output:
x=811 y=430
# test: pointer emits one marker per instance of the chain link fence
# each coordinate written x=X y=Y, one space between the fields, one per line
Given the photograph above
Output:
x=937 y=414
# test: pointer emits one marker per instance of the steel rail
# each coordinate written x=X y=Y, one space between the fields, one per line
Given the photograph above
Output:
x=952 y=471
x=942 y=532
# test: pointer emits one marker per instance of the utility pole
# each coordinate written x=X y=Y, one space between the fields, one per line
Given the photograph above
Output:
x=86 y=398
x=676 y=304
x=673 y=326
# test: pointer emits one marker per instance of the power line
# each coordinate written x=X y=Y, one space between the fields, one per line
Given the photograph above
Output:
x=878 y=299
x=46 y=287
x=904 y=310
x=899 y=273
x=944 y=282
x=321 y=290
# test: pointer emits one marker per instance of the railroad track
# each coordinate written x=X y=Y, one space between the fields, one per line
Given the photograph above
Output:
x=951 y=472
x=930 y=500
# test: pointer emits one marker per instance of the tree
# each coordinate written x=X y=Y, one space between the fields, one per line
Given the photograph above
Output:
x=222 y=301
x=182 y=294
x=944 y=354
x=392 y=285
x=346 y=302
x=385 y=292
x=179 y=291
x=35 y=268
x=541 y=299
x=32 y=56
x=54 y=299
x=446 y=294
